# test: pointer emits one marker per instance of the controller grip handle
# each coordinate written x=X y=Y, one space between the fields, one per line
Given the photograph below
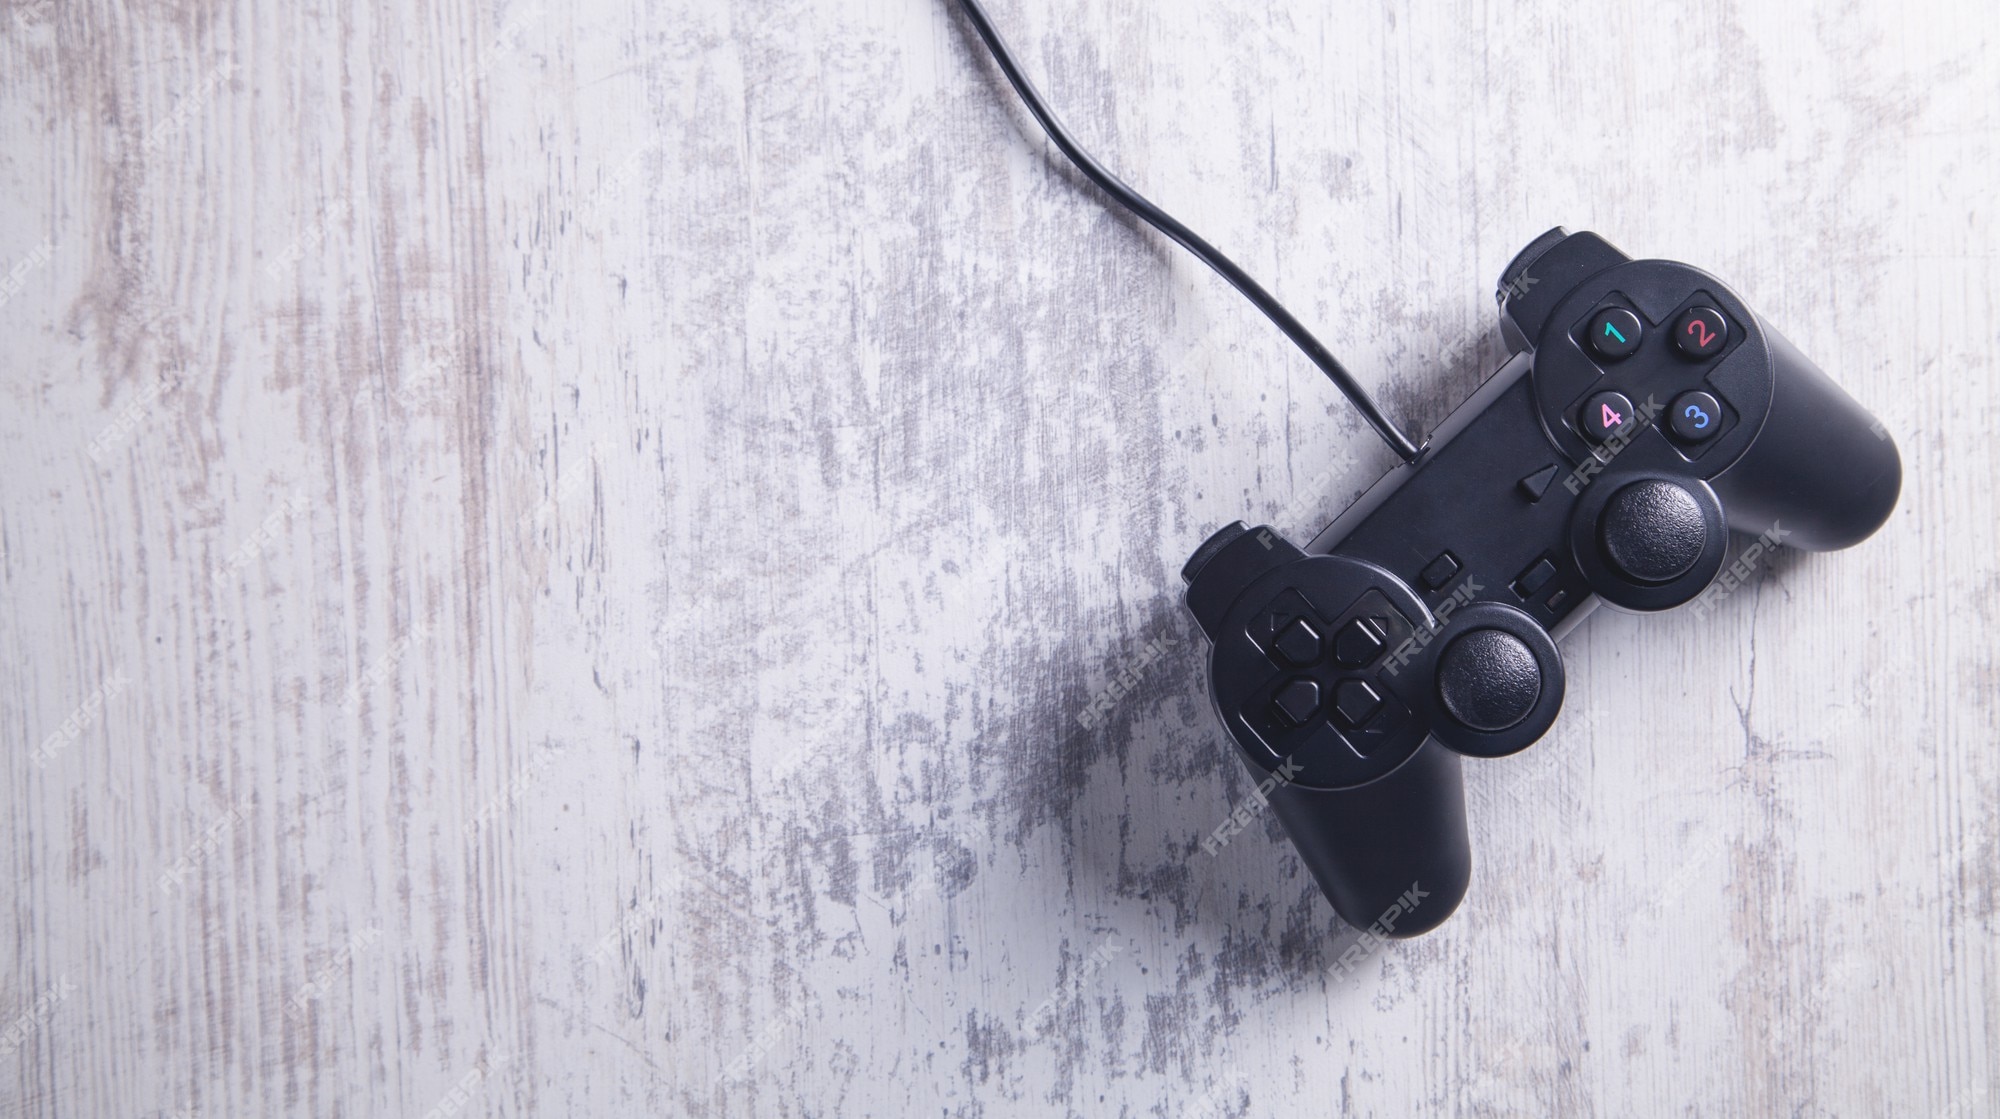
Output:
x=1392 y=855
x=1822 y=468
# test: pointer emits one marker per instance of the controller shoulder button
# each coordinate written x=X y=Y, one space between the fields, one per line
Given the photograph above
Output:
x=1218 y=540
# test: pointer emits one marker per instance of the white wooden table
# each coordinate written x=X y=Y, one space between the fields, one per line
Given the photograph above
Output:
x=552 y=555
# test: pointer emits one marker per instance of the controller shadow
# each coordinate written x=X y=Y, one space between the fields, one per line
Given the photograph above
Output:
x=1165 y=835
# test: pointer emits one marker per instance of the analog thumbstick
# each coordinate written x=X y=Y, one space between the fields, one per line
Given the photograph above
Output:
x=1652 y=532
x=1489 y=680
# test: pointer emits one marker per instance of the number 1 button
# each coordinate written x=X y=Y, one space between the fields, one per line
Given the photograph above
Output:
x=1614 y=333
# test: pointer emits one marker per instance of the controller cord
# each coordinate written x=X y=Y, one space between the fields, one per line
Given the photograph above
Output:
x=1166 y=223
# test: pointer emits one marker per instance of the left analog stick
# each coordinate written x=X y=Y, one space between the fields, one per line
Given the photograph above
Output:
x=1489 y=680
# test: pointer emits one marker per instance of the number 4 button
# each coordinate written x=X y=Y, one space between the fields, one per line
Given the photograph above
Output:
x=1604 y=415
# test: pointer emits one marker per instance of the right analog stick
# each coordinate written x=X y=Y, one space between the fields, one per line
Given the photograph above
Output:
x=1652 y=532
x=1489 y=680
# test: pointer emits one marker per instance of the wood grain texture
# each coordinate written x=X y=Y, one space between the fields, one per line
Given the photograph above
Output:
x=552 y=554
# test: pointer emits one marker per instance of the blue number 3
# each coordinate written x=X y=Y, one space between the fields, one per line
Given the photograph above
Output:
x=1694 y=411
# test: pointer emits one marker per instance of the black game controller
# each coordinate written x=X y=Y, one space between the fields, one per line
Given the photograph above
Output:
x=1646 y=413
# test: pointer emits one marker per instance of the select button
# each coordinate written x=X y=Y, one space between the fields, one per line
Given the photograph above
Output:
x=1440 y=571
x=1535 y=578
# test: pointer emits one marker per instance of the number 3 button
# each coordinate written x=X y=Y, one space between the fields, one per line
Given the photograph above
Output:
x=1695 y=416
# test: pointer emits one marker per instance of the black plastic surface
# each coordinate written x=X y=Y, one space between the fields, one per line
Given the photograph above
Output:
x=1369 y=848
x=1822 y=465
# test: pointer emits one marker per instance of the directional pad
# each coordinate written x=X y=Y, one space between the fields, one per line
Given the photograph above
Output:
x=1296 y=701
x=1298 y=644
x=1354 y=703
x=1358 y=643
